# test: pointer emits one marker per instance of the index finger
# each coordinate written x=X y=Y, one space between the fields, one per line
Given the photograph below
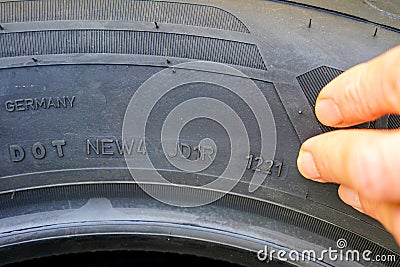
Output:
x=363 y=93
x=365 y=160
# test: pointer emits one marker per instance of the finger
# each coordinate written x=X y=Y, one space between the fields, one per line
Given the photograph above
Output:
x=366 y=160
x=388 y=214
x=363 y=93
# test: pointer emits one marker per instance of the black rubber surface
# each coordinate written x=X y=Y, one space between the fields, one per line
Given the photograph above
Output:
x=313 y=81
x=123 y=259
x=68 y=71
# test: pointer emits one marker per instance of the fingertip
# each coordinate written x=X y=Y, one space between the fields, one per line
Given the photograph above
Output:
x=350 y=197
x=328 y=112
x=308 y=145
x=363 y=93
x=306 y=162
x=306 y=165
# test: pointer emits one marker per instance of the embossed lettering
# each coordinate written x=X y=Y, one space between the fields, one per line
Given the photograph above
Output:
x=10 y=107
x=19 y=105
x=51 y=103
x=29 y=103
x=114 y=147
x=105 y=147
x=59 y=145
x=141 y=148
x=17 y=153
x=38 y=150
x=95 y=148
x=61 y=102
x=185 y=151
x=71 y=100
x=207 y=150
x=124 y=149
x=188 y=150
x=39 y=103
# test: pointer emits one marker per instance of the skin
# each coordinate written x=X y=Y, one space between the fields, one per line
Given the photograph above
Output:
x=366 y=163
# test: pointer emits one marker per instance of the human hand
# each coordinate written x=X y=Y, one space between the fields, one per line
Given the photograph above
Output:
x=366 y=163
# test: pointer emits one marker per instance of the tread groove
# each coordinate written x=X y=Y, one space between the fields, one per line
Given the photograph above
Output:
x=312 y=83
x=127 y=10
x=393 y=121
x=130 y=42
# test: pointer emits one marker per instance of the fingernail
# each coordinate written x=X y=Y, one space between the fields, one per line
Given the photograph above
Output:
x=328 y=112
x=350 y=197
x=307 y=167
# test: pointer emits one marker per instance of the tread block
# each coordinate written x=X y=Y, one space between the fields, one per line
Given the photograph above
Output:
x=124 y=10
x=312 y=83
x=131 y=42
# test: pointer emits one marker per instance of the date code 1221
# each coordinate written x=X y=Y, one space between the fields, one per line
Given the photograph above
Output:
x=259 y=164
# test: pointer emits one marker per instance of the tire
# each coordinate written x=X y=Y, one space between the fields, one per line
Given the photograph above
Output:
x=117 y=117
